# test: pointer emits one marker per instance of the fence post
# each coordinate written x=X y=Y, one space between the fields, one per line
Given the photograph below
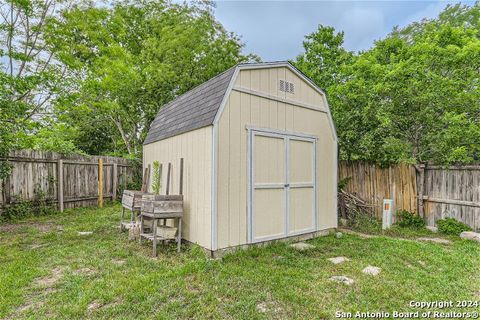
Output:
x=114 y=182
x=420 y=169
x=100 y=183
x=7 y=199
x=60 y=184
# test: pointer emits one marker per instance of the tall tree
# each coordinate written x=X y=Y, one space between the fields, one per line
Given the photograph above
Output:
x=327 y=63
x=29 y=76
x=132 y=58
x=324 y=59
x=414 y=96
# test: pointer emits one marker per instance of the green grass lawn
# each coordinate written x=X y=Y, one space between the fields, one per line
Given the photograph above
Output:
x=47 y=270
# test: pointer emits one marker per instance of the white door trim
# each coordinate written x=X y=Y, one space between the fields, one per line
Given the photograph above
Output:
x=286 y=136
x=312 y=184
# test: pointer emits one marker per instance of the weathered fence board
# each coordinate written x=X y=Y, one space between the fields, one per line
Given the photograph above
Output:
x=445 y=192
x=38 y=171
x=453 y=192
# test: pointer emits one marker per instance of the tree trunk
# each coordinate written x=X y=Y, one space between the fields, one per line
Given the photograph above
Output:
x=125 y=139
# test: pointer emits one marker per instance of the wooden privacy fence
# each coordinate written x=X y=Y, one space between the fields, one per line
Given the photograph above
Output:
x=73 y=181
x=434 y=192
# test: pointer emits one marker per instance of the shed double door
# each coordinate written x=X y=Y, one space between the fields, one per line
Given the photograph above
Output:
x=282 y=175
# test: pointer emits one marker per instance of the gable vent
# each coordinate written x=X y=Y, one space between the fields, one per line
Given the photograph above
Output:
x=286 y=86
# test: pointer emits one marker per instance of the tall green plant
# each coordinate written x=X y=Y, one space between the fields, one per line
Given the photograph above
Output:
x=157 y=177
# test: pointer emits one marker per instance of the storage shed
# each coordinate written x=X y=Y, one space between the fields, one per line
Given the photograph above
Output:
x=260 y=156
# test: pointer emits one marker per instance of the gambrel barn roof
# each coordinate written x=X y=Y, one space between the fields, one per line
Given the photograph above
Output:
x=192 y=110
x=199 y=107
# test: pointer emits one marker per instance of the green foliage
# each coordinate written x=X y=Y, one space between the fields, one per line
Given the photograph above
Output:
x=39 y=206
x=458 y=142
x=408 y=219
x=91 y=78
x=134 y=181
x=29 y=80
x=130 y=185
x=324 y=57
x=451 y=226
x=56 y=137
x=413 y=97
x=5 y=169
x=342 y=184
x=130 y=59
x=157 y=175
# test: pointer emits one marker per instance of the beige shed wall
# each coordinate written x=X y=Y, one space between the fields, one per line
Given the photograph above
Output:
x=196 y=149
x=244 y=109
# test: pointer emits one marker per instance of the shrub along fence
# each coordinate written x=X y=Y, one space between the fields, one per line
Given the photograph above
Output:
x=434 y=192
x=66 y=181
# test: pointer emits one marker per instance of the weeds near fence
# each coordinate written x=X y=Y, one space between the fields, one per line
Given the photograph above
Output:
x=135 y=182
x=362 y=222
x=409 y=219
x=452 y=227
x=21 y=208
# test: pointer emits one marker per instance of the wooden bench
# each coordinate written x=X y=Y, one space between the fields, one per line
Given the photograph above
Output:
x=161 y=208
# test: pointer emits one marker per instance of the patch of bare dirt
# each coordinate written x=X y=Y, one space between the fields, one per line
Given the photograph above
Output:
x=28 y=305
x=435 y=240
x=38 y=246
x=9 y=227
x=115 y=302
x=192 y=284
x=36 y=300
x=50 y=280
x=44 y=227
x=86 y=271
x=361 y=235
x=192 y=287
x=119 y=262
x=270 y=306
x=94 y=306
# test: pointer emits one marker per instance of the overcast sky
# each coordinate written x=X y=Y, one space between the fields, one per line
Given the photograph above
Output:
x=275 y=29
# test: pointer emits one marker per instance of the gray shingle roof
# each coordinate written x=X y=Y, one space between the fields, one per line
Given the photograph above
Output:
x=192 y=110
